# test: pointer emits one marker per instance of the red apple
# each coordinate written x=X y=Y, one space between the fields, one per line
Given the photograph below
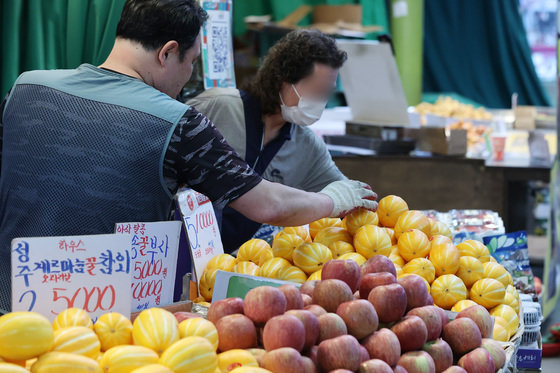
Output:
x=315 y=309
x=364 y=354
x=417 y=362
x=339 y=353
x=310 y=324
x=312 y=354
x=389 y=302
x=236 y=331
x=283 y=331
x=462 y=335
x=285 y=359
x=180 y=316
x=430 y=316
x=309 y=365
x=375 y=366
x=359 y=316
x=372 y=280
x=399 y=369
x=224 y=307
x=263 y=303
x=294 y=301
x=416 y=290
x=307 y=300
x=331 y=326
x=429 y=300
x=455 y=369
x=378 y=263
x=411 y=332
x=496 y=351
x=477 y=361
x=444 y=317
x=481 y=317
x=329 y=294
x=440 y=351
x=345 y=270
x=384 y=345
x=308 y=286
x=341 y=371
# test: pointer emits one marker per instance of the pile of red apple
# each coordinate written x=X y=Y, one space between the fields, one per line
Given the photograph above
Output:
x=356 y=320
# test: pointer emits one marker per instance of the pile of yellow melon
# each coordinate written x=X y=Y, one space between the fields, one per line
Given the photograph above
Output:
x=154 y=343
x=456 y=276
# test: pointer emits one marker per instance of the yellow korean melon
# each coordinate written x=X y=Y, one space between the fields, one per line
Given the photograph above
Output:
x=500 y=331
x=206 y=283
x=284 y=245
x=155 y=328
x=444 y=256
x=56 y=362
x=315 y=276
x=229 y=360
x=358 y=258
x=391 y=233
x=462 y=305
x=389 y=210
x=77 y=340
x=24 y=335
x=438 y=228
x=396 y=259
x=447 y=290
x=271 y=267
x=317 y=225
x=340 y=248
x=511 y=289
x=421 y=267
x=412 y=219
x=470 y=270
x=399 y=270
x=124 y=359
x=250 y=370
x=497 y=272
x=371 y=240
x=508 y=314
x=300 y=231
x=488 y=292
x=224 y=262
x=266 y=255
x=413 y=244
x=113 y=329
x=190 y=355
x=72 y=317
x=475 y=249
x=311 y=257
x=12 y=368
x=199 y=327
x=153 y=368
x=328 y=236
x=247 y=268
x=511 y=300
x=252 y=250
x=293 y=274
x=358 y=218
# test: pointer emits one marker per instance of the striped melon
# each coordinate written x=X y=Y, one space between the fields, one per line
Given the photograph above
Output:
x=508 y=314
x=199 y=327
x=358 y=258
x=413 y=244
x=77 y=340
x=153 y=368
x=497 y=272
x=206 y=283
x=330 y=235
x=113 y=329
x=252 y=250
x=300 y=231
x=12 y=368
x=371 y=240
x=317 y=225
x=271 y=267
x=488 y=292
x=340 y=248
x=124 y=359
x=500 y=331
x=224 y=262
x=250 y=370
x=190 y=355
x=229 y=360
x=24 y=335
x=462 y=305
x=311 y=257
x=155 y=328
x=72 y=317
x=390 y=208
x=475 y=249
x=444 y=256
x=293 y=274
x=358 y=218
x=391 y=233
x=247 y=268
x=448 y=290
x=470 y=270
x=284 y=245
x=422 y=267
x=56 y=362
x=315 y=276
x=412 y=219
x=438 y=228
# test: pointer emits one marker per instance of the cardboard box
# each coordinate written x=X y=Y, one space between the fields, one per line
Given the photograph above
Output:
x=345 y=20
x=530 y=358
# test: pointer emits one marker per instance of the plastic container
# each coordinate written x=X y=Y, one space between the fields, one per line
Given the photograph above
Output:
x=530 y=335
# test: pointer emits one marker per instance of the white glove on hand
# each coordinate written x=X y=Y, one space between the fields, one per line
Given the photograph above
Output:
x=348 y=195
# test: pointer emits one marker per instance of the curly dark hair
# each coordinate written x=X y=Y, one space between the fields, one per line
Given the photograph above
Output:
x=291 y=59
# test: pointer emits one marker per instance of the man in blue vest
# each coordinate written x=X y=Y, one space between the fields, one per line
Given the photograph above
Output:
x=86 y=148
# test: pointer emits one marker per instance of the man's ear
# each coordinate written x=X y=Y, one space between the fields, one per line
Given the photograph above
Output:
x=169 y=48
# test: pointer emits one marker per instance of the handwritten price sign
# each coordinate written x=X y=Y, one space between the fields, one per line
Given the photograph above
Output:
x=153 y=248
x=201 y=227
x=51 y=274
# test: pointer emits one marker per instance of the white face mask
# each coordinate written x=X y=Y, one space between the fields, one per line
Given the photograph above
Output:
x=305 y=113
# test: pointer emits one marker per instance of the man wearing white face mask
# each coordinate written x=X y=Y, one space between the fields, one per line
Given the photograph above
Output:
x=267 y=122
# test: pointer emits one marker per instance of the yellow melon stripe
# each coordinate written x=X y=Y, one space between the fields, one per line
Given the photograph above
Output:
x=178 y=365
x=130 y=356
x=77 y=339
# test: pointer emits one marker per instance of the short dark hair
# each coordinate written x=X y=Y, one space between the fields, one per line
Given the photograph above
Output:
x=153 y=23
x=291 y=59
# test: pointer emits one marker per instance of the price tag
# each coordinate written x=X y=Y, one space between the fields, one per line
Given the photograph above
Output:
x=51 y=274
x=232 y=285
x=201 y=228
x=153 y=253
